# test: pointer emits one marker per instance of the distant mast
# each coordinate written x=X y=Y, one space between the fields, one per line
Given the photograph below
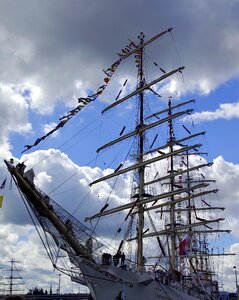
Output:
x=141 y=171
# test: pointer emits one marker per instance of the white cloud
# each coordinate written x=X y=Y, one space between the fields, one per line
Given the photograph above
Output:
x=13 y=115
x=51 y=56
x=226 y=111
x=52 y=168
x=22 y=244
x=226 y=175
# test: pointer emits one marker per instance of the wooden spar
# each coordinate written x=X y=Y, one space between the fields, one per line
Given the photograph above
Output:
x=141 y=89
x=147 y=42
x=42 y=208
x=206 y=231
x=178 y=228
x=156 y=198
x=177 y=173
x=199 y=255
x=144 y=163
x=191 y=208
x=167 y=109
x=202 y=231
x=176 y=142
x=205 y=180
x=181 y=199
x=144 y=128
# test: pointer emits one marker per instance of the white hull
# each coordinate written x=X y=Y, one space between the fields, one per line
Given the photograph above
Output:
x=111 y=282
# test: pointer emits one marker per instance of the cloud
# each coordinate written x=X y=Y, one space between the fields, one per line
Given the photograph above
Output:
x=68 y=184
x=13 y=115
x=34 y=266
x=226 y=175
x=53 y=168
x=49 y=58
x=226 y=111
x=55 y=51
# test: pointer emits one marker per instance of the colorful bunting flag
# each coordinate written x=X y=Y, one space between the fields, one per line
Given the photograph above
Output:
x=83 y=101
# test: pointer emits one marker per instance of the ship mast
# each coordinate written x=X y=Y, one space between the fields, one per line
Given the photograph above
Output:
x=141 y=171
x=172 y=206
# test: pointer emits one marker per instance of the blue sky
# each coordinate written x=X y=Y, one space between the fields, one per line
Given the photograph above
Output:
x=221 y=135
x=56 y=50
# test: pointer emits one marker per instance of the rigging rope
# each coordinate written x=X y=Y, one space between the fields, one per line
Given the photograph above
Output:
x=34 y=223
x=72 y=137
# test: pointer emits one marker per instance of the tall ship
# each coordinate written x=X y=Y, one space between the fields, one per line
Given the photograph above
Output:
x=161 y=247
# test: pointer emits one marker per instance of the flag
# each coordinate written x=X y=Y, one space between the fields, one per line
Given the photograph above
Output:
x=1 y=200
x=3 y=184
x=183 y=246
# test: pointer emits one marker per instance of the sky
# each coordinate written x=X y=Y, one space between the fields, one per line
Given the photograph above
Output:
x=53 y=52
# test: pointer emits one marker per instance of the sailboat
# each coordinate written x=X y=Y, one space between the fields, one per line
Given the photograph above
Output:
x=170 y=206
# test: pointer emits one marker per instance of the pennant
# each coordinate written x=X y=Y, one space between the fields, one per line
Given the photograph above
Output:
x=3 y=183
x=1 y=200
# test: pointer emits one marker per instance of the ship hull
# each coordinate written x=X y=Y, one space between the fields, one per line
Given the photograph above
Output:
x=115 y=283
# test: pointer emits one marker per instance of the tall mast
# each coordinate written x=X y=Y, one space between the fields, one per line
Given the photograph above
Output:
x=141 y=171
x=172 y=206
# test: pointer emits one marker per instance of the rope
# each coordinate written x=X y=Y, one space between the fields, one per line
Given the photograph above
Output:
x=72 y=137
x=127 y=155
x=34 y=223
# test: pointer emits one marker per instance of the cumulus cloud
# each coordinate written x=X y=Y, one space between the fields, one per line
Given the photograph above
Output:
x=34 y=266
x=226 y=111
x=68 y=184
x=13 y=115
x=226 y=175
x=49 y=58
x=53 y=168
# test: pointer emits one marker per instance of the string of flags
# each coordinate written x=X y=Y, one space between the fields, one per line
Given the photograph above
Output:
x=83 y=101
